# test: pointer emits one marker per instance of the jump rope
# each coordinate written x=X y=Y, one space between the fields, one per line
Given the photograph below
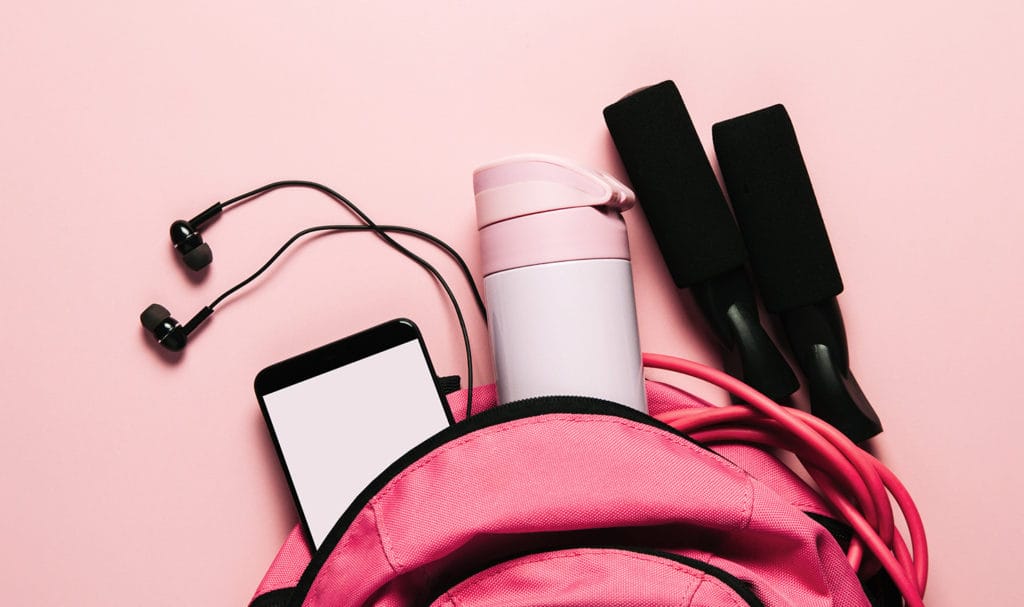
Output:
x=855 y=484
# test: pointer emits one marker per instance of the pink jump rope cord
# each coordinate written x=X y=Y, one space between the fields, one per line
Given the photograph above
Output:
x=855 y=484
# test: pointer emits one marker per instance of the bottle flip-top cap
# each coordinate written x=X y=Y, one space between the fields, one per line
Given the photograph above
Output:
x=536 y=209
x=534 y=183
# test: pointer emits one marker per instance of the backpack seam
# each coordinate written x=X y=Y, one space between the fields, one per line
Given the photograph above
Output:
x=315 y=590
x=693 y=593
x=385 y=540
x=679 y=567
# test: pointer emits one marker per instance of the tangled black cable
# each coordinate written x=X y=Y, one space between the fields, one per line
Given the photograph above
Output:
x=382 y=231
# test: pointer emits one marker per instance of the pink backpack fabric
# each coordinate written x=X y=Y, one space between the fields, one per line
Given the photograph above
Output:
x=574 y=501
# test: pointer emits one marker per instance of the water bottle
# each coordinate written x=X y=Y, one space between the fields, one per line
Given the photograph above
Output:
x=558 y=281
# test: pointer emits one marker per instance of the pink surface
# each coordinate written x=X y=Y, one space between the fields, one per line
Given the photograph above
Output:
x=127 y=476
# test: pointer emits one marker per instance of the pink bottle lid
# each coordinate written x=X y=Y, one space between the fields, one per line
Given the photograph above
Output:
x=540 y=209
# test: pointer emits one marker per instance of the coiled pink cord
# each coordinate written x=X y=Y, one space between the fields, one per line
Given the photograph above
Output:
x=853 y=482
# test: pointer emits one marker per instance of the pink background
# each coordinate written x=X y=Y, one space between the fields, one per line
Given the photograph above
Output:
x=126 y=476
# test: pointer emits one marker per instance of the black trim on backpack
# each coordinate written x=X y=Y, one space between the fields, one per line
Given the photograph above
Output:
x=838 y=529
x=274 y=598
x=544 y=405
x=742 y=588
x=880 y=589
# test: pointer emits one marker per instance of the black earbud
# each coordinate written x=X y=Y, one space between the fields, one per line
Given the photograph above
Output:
x=167 y=331
x=188 y=242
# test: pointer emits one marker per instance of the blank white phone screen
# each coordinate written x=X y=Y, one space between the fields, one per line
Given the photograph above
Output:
x=337 y=431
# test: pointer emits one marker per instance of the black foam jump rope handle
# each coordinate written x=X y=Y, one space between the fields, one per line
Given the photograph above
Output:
x=792 y=259
x=677 y=189
x=675 y=184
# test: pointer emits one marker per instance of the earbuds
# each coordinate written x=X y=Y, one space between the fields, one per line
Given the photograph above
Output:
x=196 y=254
x=188 y=242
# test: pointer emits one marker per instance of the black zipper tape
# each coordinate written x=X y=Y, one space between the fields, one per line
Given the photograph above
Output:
x=741 y=588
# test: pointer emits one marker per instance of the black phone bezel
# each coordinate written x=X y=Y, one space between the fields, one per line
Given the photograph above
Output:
x=318 y=361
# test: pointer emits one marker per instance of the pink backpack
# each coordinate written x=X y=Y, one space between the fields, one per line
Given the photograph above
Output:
x=576 y=501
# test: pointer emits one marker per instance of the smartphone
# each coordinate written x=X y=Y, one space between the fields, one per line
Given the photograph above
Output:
x=340 y=414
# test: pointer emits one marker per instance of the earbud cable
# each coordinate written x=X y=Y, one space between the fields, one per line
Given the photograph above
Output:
x=384 y=229
x=351 y=206
x=383 y=234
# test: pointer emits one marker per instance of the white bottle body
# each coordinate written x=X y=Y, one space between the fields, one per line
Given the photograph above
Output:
x=566 y=328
